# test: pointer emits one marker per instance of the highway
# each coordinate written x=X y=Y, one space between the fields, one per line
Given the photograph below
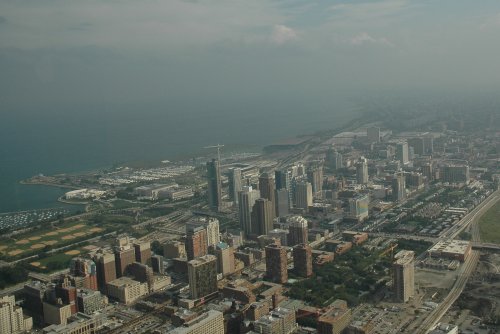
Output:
x=467 y=268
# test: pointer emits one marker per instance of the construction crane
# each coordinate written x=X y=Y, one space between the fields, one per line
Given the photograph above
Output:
x=218 y=147
x=390 y=249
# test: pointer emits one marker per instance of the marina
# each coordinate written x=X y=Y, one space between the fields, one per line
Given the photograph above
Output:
x=26 y=218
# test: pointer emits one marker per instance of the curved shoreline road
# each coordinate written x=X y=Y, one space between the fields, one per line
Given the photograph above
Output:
x=467 y=268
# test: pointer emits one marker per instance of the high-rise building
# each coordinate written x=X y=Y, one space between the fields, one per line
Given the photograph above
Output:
x=174 y=249
x=267 y=187
x=403 y=279
x=303 y=195
x=246 y=199
x=214 y=185
x=302 y=260
x=86 y=269
x=106 y=269
x=196 y=242
x=225 y=258
x=429 y=144
x=157 y=264
x=283 y=179
x=315 y=177
x=282 y=202
x=455 y=174
x=402 y=152
x=210 y=322
x=262 y=216
x=297 y=231
x=210 y=224
x=334 y=159
x=398 y=187
x=362 y=171
x=124 y=256
x=234 y=184
x=12 y=320
x=202 y=275
x=427 y=171
x=276 y=263
x=373 y=134
x=418 y=145
x=358 y=207
x=142 y=252
x=34 y=293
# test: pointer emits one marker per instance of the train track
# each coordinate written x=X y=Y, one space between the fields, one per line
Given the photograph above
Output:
x=468 y=268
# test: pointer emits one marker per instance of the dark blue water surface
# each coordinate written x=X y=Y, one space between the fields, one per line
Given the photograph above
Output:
x=85 y=138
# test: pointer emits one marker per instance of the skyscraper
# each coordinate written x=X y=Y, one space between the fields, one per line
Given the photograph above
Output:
x=404 y=276
x=358 y=207
x=262 y=216
x=402 y=152
x=210 y=224
x=214 y=185
x=142 y=252
x=106 y=269
x=418 y=145
x=157 y=264
x=196 y=242
x=282 y=202
x=373 y=134
x=12 y=320
x=267 y=188
x=362 y=171
x=455 y=173
x=283 y=179
x=398 y=187
x=124 y=255
x=86 y=269
x=315 y=177
x=302 y=260
x=234 y=184
x=333 y=159
x=225 y=258
x=297 y=231
x=246 y=199
x=303 y=195
x=276 y=264
x=202 y=275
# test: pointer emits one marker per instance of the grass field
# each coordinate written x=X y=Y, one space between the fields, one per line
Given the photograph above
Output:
x=37 y=240
x=489 y=225
x=57 y=261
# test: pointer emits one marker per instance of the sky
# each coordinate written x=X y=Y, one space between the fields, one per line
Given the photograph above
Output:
x=58 y=53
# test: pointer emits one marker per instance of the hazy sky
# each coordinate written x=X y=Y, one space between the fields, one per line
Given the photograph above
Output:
x=96 y=51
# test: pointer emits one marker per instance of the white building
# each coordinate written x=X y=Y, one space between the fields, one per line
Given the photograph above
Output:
x=126 y=290
x=12 y=319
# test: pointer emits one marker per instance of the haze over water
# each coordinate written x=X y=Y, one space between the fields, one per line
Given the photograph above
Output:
x=87 y=84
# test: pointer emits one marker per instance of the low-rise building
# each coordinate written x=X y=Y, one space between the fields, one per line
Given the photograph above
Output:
x=209 y=322
x=451 y=249
x=336 y=319
x=279 y=321
x=90 y=301
x=126 y=290
x=77 y=324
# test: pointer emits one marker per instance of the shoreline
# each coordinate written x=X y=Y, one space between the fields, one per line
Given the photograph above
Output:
x=62 y=200
x=41 y=183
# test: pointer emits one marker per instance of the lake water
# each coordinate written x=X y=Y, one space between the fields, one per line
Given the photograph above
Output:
x=49 y=142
